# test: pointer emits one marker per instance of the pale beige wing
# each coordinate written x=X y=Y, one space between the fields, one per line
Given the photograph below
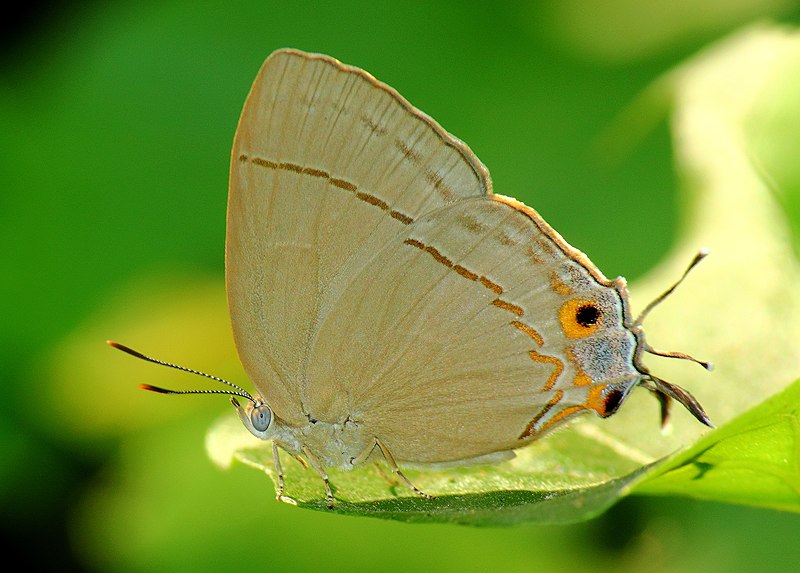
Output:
x=470 y=334
x=328 y=165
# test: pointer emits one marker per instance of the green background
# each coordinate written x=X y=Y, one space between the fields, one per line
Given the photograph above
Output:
x=117 y=122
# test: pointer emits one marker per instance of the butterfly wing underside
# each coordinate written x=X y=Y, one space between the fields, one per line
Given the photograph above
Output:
x=372 y=276
x=328 y=167
x=450 y=345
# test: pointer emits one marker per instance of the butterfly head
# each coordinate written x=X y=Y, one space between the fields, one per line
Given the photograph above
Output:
x=256 y=416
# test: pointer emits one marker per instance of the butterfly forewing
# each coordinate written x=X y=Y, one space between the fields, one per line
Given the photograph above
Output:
x=328 y=167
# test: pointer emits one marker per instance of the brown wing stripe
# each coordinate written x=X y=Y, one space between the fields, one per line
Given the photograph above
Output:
x=561 y=415
x=372 y=126
x=346 y=185
x=435 y=180
x=505 y=305
x=315 y=172
x=491 y=285
x=415 y=243
x=530 y=429
x=405 y=219
x=291 y=167
x=336 y=182
x=558 y=365
x=407 y=152
x=411 y=155
x=372 y=200
x=440 y=258
x=463 y=271
x=559 y=285
x=533 y=256
x=261 y=162
x=529 y=331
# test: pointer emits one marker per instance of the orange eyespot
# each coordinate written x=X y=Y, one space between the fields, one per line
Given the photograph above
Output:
x=580 y=318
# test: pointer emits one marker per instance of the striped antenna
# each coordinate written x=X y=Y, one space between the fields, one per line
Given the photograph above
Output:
x=238 y=391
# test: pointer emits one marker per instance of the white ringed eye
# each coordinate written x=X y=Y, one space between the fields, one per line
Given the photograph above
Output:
x=261 y=417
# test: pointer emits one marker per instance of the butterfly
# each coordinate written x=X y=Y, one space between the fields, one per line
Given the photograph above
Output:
x=386 y=304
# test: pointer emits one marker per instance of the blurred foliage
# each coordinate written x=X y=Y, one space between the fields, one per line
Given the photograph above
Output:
x=117 y=123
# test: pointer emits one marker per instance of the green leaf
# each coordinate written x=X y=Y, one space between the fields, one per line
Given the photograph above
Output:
x=741 y=309
x=567 y=478
x=753 y=460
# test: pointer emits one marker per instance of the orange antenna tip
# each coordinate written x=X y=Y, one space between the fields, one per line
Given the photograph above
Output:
x=154 y=389
x=127 y=350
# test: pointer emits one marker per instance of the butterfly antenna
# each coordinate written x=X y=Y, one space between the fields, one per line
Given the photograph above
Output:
x=238 y=391
x=701 y=254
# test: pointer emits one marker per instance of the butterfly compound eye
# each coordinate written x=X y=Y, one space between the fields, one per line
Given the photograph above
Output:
x=261 y=416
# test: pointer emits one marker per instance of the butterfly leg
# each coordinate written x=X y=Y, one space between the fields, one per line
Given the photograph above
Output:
x=384 y=476
x=323 y=474
x=277 y=461
x=396 y=470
